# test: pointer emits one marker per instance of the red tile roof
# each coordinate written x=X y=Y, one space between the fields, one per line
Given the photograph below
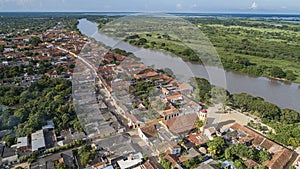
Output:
x=182 y=123
x=149 y=131
x=196 y=139
x=149 y=165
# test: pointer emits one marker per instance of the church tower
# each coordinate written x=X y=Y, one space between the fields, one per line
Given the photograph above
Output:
x=203 y=117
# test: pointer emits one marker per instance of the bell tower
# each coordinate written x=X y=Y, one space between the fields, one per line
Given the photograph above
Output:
x=203 y=117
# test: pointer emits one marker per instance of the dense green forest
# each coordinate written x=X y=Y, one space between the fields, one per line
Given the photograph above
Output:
x=285 y=122
x=25 y=110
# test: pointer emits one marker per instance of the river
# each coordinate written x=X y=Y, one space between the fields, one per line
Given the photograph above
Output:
x=283 y=94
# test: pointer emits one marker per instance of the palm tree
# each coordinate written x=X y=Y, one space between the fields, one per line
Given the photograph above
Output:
x=199 y=124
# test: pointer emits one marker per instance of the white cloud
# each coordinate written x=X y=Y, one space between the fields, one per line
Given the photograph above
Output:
x=254 y=5
x=178 y=6
x=194 y=6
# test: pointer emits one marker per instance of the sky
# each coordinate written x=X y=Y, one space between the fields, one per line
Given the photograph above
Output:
x=231 y=6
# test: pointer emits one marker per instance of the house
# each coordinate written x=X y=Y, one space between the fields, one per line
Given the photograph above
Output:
x=8 y=155
x=227 y=164
x=175 y=97
x=68 y=160
x=173 y=159
x=147 y=133
x=147 y=73
x=185 y=88
x=191 y=154
x=169 y=113
x=99 y=165
x=251 y=164
x=132 y=161
x=43 y=139
x=159 y=139
x=182 y=124
x=196 y=139
x=174 y=148
x=150 y=165
x=206 y=166
x=38 y=141
x=210 y=133
x=22 y=144
x=133 y=122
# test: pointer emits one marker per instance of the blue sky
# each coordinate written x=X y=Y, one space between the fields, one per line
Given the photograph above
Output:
x=258 y=6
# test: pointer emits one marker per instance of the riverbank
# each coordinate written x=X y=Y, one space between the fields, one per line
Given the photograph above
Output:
x=273 y=91
x=255 y=66
x=255 y=47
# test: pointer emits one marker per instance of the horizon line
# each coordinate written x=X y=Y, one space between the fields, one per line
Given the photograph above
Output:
x=170 y=12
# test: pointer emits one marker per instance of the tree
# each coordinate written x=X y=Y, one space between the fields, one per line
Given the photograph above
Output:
x=289 y=116
x=216 y=146
x=239 y=164
x=165 y=163
x=290 y=75
x=61 y=166
x=202 y=89
x=219 y=95
x=264 y=156
x=9 y=139
x=86 y=154
x=35 y=41
x=277 y=72
x=242 y=100
x=190 y=163
x=199 y=124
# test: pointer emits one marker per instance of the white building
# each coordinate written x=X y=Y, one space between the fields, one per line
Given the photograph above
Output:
x=38 y=141
x=22 y=143
x=132 y=161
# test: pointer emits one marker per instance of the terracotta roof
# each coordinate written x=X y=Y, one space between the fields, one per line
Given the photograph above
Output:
x=173 y=144
x=172 y=158
x=182 y=123
x=149 y=165
x=99 y=164
x=175 y=96
x=267 y=144
x=246 y=139
x=196 y=139
x=184 y=86
x=119 y=57
x=146 y=74
x=168 y=111
x=279 y=160
x=131 y=117
x=204 y=111
x=164 y=90
x=149 y=131
x=251 y=163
